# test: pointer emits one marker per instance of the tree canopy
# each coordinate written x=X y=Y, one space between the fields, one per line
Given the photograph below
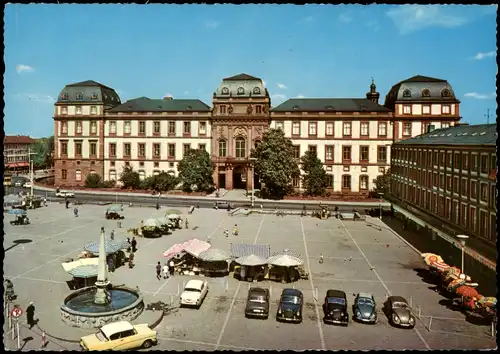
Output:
x=382 y=183
x=314 y=179
x=195 y=171
x=42 y=149
x=275 y=163
x=130 y=178
x=161 y=182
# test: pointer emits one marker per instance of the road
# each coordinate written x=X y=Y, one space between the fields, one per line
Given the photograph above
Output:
x=177 y=202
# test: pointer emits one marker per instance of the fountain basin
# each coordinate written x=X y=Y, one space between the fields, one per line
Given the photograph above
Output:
x=79 y=310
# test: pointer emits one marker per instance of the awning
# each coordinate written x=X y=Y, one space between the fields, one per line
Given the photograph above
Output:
x=251 y=260
x=284 y=260
x=242 y=250
x=17 y=164
x=68 y=266
x=214 y=255
x=109 y=247
x=193 y=247
x=86 y=271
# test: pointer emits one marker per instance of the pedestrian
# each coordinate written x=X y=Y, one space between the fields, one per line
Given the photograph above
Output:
x=171 y=267
x=226 y=233
x=186 y=223
x=321 y=258
x=75 y=211
x=45 y=201
x=166 y=271
x=111 y=266
x=67 y=204
x=158 y=271
x=131 y=260
x=134 y=245
x=128 y=244
x=157 y=206
x=228 y=207
x=30 y=314
x=197 y=205
x=112 y=235
x=235 y=230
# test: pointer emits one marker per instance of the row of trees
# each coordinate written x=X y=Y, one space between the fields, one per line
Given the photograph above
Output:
x=274 y=162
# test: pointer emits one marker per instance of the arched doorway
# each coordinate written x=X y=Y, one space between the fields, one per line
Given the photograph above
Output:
x=239 y=178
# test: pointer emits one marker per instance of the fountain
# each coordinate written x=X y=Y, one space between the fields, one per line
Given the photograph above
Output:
x=103 y=303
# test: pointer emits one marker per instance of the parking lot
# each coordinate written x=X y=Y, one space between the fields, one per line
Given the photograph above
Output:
x=358 y=256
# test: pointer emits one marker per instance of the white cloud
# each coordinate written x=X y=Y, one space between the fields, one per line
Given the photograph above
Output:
x=480 y=96
x=481 y=55
x=277 y=98
x=282 y=86
x=21 y=68
x=301 y=96
x=212 y=24
x=345 y=18
x=410 y=18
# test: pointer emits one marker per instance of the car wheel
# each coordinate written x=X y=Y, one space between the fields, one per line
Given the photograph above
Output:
x=147 y=344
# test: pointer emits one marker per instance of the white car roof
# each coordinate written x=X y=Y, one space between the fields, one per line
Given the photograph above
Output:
x=116 y=327
x=368 y=295
x=194 y=284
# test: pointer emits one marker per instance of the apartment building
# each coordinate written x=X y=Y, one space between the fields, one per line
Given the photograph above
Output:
x=16 y=151
x=450 y=175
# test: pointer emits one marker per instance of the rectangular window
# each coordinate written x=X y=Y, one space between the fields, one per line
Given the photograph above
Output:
x=202 y=128
x=142 y=128
x=79 y=128
x=280 y=125
x=448 y=183
x=112 y=127
x=484 y=164
x=258 y=109
x=474 y=163
x=441 y=181
x=407 y=129
x=406 y=109
x=296 y=128
x=156 y=150
x=329 y=181
x=127 y=150
x=449 y=160
x=448 y=209
x=313 y=149
x=64 y=127
x=346 y=153
x=222 y=109
x=463 y=215
x=127 y=127
x=347 y=128
x=346 y=182
x=93 y=127
x=156 y=127
x=363 y=182
x=171 y=151
x=78 y=110
x=382 y=154
x=382 y=129
x=64 y=148
x=473 y=189
x=442 y=158
x=187 y=128
x=186 y=148
x=484 y=192
x=78 y=148
x=463 y=190
x=142 y=150
x=329 y=128
x=93 y=109
x=313 y=128
x=222 y=148
x=296 y=151
x=426 y=109
x=364 y=128
x=329 y=152
x=296 y=182
x=363 y=153
x=456 y=160
x=445 y=125
x=445 y=109
x=93 y=148
x=455 y=185
x=202 y=147
x=64 y=110
x=465 y=160
x=171 y=128
x=64 y=174
x=112 y=149
x=473 y=219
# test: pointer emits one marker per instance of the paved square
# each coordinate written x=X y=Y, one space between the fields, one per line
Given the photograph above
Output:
x=358 y=256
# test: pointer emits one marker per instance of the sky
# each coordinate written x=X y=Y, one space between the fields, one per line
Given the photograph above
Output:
x=299 y=51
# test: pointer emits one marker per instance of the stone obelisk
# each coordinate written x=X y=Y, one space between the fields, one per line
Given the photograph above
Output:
x=101 y=296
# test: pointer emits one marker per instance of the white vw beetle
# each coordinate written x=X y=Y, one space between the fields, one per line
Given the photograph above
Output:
x=194 y=293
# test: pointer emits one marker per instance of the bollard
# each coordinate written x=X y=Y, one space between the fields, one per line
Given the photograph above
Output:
x=18 y=335
x=13 y=333
x=227 y=285
x=178 y=289
x=44 y=339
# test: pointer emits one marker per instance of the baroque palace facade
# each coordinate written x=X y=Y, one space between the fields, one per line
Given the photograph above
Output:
x=96 y=133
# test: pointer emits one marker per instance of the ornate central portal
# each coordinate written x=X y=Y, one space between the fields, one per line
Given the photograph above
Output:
x=240 y=116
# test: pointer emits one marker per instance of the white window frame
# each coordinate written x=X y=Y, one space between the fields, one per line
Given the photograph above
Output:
x=446 y=109
x=364 y=129
x=296 y=128
x=363 y=180
x=127 y=127
x=330 y=128
x=384 y=130
x=406 y=109
x=78 y=110
x=64 y=110
x=112 y=175
x=203 y=127
x=78 y=175
x=329 y=152
x=112 y=127
x=405 y=126
x=93 y=127
x=426 y=109
x=280 y=125
x=93 y=109
x=347 y=128
x=313 y=128
x=78 y=127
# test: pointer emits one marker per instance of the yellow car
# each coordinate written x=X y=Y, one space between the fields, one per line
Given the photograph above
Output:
x=120 y=335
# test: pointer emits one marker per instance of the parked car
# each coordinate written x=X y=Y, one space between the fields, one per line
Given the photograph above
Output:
x=335 y=308
x=120 y=336
x=257 y=303
x=290 y=306
x=194 y=293
x=364 y=308
x=399 y=312
x=27 y=185
x=223 y=205
x=65 y=194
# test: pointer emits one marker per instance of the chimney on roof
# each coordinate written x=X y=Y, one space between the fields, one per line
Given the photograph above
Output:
x=431 y=128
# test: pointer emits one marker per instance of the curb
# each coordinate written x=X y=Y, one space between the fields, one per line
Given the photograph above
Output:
x=158 y=321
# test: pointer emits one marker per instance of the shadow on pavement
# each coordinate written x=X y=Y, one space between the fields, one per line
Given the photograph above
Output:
x=18 y=242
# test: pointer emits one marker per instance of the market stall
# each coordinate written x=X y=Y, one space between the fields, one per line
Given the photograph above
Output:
x=186 y=256
x=214 y=262
x=151 y=228
x=166 y=224
x=283 y=267
x=83 y=271
x=251 y=268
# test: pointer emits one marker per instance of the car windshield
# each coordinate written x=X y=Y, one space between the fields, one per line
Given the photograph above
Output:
x=257 y=298
x=192 y=290
x=336 y=300
x=289 y=299
x=365 y=301
x=399 y=305
x=101 y=336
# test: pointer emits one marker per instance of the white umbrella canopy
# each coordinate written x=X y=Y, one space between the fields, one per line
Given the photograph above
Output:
x=163 y=220
x=284 y=260
x=251 y=260
x=173 y=216
x=152 y=223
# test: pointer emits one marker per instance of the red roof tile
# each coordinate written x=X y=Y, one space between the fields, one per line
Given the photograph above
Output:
x=18 y=139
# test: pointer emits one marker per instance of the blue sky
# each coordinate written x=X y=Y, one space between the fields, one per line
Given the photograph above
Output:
x=310 y=51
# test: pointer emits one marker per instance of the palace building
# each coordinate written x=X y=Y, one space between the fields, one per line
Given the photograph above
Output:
x=97 y=133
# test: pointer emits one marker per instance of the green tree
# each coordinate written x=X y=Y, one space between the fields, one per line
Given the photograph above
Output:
x=93 y=180
x=42 y=149
x=382 y=184
x=275 y=162
x=130 y=178
x=195 y=171
x=162 y=182
x=314 y=179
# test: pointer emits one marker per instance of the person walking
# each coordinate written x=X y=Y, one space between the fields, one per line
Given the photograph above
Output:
x=158 y=271
x=171 y=267
x=186 y=223
x=166 y=271
x=30 y=314
x=75 y=211
x=235 y=230
x=131 y=260
x=134 y=244
x=45 y=201
x=112 y=235
x=129 y=245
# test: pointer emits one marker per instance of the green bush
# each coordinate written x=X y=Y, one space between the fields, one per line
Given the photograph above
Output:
x=93 y=180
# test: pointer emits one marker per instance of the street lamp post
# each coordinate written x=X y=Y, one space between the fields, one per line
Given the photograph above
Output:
x=380 y=211
x=252 y=159
x=463 y=238
x=31 y=170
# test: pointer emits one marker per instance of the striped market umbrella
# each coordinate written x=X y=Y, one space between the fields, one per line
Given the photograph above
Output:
x=110 y=247
x=284 y=260
x=251 y=260
x=86 y=271
x=163 y=220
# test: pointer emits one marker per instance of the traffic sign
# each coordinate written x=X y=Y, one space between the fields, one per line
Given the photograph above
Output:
x=16 y=312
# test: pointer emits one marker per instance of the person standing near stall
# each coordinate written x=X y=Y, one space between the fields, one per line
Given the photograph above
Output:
x=30 y=314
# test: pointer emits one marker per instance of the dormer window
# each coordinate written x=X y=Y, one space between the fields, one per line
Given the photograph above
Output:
x=445 y=93
x=225 y=91
x=94 y=96
x=189 y=107
x=295 y=107
x=407 y=94
x=426 y=93
x=105 y=96
x=256 y=90
x=79 y=96
x=64 y=96
x=241 y=91
x=329 y=108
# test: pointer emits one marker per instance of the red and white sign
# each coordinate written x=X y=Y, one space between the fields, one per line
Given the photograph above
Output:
x=16 y=312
